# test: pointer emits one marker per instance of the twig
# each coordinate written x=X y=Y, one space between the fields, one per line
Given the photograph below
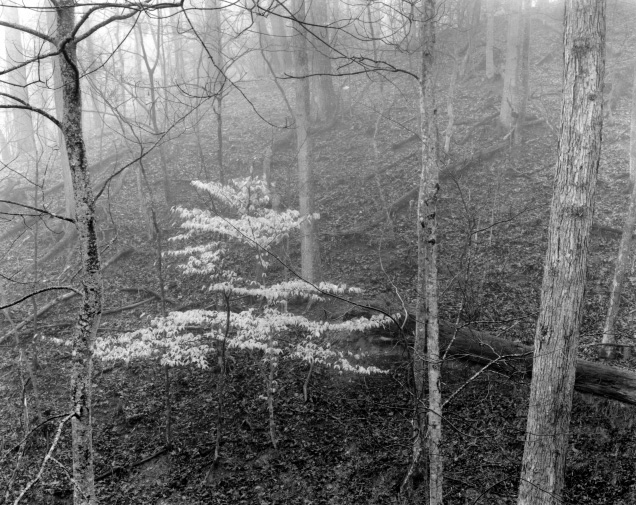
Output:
x=48 y=456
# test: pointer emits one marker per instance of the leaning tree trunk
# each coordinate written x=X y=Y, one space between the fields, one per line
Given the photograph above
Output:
x=91 y=306
x=310 y=265
x=623 y=262
x=556 y=337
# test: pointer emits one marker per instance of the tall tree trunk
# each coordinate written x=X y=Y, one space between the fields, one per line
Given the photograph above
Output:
x=91 y=306
x=556 y=338
x=428 y=418
x=151 y=68
x=623 y=260
x=475 y=12
x=216 y=77
x=490 y=39
x=17 y=80
x=325 y=95
x=427 y=251
x=282 y=47
x=310 y=264
x=509 y=97
x=524 y=75
x=59 y=106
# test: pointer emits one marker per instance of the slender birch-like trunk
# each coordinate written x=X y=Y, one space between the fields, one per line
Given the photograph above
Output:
x=428 y=421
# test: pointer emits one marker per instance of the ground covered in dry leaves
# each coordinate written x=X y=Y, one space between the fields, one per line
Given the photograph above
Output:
x=350 y=442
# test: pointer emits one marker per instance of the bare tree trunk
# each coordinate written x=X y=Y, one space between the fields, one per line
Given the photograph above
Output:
x=91 y=306
x=472 y=33
x=556 y=337
x=427 y=252
x=310 y=262
x=457 y=63
x=25 y=139
x=151 y=68
x=325 y=97
x=509 y=98
x=214 y=62
x=428 y=421
x=623 y=260
x=490 y=39
x=282 y=47
x=59 y=106
x=524 y=76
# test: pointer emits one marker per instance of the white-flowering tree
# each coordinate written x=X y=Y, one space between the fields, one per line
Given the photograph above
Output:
x=270 y=332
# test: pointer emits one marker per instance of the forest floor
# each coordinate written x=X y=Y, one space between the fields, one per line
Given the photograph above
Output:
x=350 y=442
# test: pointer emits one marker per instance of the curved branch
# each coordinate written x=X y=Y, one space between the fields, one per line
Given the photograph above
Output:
x=26 y=29
x=26 y=106
x=52 y=288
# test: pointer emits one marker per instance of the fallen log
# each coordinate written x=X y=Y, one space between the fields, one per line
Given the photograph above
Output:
x=513 y=358
x=501 y=355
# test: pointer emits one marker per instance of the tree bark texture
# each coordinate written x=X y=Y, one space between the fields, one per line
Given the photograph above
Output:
x=59 y=106
x=556 y=337
x=427 y=326
x=310 y=265
x=91 y=305
x=623 y=260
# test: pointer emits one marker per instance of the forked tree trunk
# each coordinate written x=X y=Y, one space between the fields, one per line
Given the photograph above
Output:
x=623 y=260
x=310 y=264
x=151 y=68
x=556 y=338
x=91 y=305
